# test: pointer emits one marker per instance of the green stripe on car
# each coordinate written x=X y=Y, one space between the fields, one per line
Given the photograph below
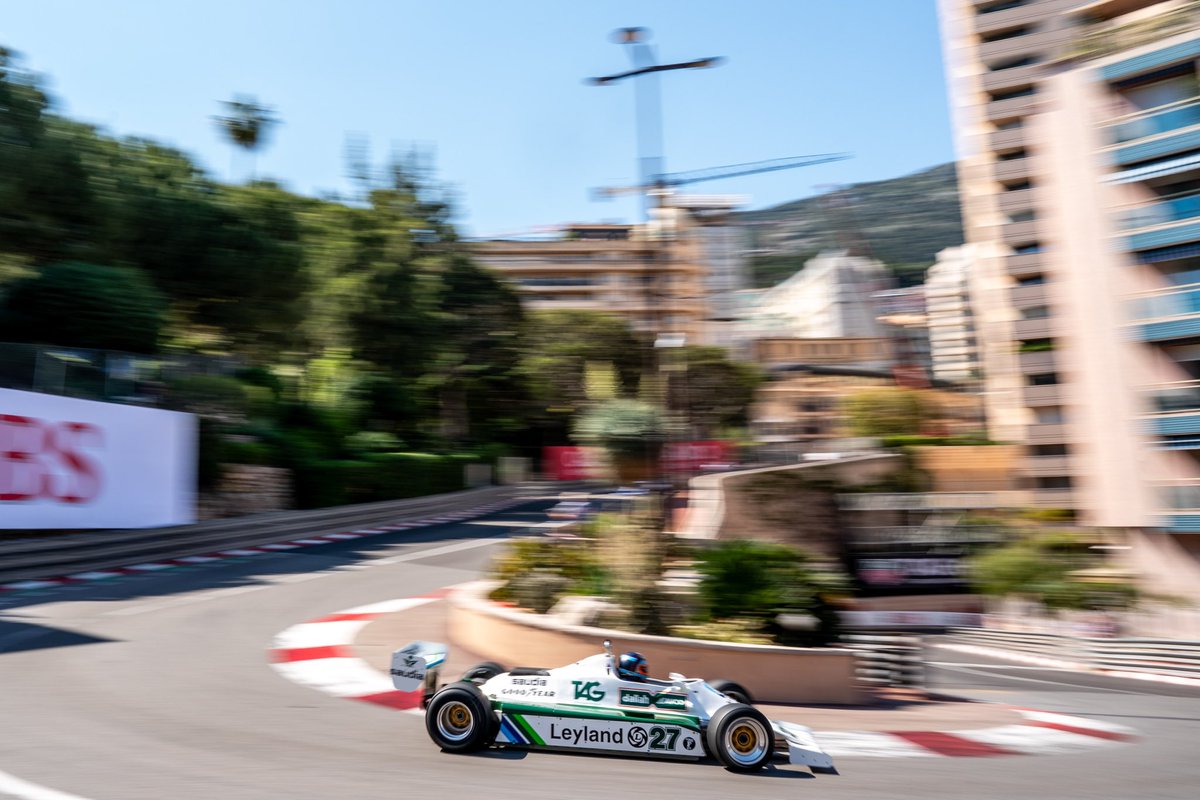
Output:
x=682 y=720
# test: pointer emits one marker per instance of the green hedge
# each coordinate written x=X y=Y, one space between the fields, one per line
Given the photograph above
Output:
x=386 y=476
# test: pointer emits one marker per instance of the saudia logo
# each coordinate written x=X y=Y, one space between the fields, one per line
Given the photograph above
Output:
x=588 y=691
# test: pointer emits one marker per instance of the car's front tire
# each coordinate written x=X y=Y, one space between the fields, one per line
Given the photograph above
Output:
x=459 y=719
x=740 y=737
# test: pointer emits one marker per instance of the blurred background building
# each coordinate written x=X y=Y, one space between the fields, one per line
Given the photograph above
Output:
x=679 y=273
x=1078 y=131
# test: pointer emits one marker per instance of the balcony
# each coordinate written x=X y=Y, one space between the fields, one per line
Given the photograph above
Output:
x=1046 y=433
x=1039 y=42
x=1148 y=150
x=1175 y=209
x=1019 y=265
x=1007 y=139
x=1156 y=121
x=1168 y=315
x=1025 y=296
x=990 y=21
x=1012 y=170
x=1015 y=200
x=1015 y=76
x=1109 y=38
x=1046 y=465
x=1043 y=395
x=1023 y=106
x=1034 y=328
x=1037 y=363
x=1019 y=233
x=1180 y=426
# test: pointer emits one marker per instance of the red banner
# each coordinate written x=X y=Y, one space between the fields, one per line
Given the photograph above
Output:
x=583 y=463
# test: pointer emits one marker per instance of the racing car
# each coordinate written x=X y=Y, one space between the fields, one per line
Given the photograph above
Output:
x=596 y=705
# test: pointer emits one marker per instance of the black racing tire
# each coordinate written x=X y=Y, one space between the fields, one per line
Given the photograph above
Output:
x=734 y=691
x=460 y=719
x=740 y=737
x=483 y=671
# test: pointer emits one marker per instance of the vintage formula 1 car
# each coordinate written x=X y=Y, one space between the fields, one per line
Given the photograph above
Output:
x=588 y=706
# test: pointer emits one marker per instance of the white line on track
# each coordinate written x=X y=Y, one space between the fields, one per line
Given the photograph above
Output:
x=12 y=785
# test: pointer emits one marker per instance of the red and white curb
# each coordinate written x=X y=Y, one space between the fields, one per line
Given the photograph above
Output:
x=320 y=654
x=244 y=552
x=1058 y=663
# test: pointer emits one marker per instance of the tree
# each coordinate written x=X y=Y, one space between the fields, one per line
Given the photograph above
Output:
x=1045 y=567
x=713 y=391
x=84 y=305
x=557 y=349
x=45 y=201
x=888 y=411
x=246 y=124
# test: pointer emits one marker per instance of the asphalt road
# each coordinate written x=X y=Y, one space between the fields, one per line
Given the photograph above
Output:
x=158 y=686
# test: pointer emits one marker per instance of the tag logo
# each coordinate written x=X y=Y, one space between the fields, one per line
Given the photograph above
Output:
x=588 y=691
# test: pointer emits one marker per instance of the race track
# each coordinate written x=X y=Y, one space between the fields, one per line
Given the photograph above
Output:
x=159 y=686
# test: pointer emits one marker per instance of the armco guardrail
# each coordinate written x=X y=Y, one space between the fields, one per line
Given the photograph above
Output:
x=25 y=559
x=1170 y=657
x=887 y=660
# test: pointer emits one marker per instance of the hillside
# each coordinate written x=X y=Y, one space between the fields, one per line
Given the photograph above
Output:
x=903 y=221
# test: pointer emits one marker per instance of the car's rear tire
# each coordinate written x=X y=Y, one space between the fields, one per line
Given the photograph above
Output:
x=459 y=719
x=482 y=672
x=734 y=691
x=740 y=737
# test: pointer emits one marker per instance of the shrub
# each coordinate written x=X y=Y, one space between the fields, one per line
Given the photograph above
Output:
x=248 y=453
x=759 y=580
x=209 y=396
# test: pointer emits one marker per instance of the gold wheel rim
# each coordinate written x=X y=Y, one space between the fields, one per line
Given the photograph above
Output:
x=744 y=739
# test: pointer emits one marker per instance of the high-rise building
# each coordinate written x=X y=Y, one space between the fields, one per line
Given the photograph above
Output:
x=1077 y=126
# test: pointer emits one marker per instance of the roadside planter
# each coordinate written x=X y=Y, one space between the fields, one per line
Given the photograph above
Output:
x=771 y=673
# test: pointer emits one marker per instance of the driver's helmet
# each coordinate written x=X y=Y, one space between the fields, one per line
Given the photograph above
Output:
x=633 y=667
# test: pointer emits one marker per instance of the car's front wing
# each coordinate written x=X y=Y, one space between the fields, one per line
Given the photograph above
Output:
x=802 y=747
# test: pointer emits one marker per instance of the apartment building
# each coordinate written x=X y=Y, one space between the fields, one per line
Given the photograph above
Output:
x=1078 y=132
x=678 y=273
x=948 y=312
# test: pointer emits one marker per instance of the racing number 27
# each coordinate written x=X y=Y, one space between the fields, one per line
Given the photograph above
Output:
x=663 y=738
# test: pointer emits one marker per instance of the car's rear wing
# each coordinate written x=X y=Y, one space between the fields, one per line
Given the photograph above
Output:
x=416 y=666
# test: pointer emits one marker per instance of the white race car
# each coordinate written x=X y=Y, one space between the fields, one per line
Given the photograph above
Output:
x=588 y=706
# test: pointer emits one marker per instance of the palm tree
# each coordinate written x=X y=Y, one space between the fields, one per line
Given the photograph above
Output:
x=246 y=123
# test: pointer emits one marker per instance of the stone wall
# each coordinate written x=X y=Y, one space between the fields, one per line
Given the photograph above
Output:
x=246 y=489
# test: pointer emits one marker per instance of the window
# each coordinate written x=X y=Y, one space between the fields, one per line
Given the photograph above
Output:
x=1010 y=125
x=1048 y=415
x=1012 y=63
x=1047 y=450
x=1043 y=379
x=1052 y=482
x=1035 y=312
x=1012 y=94
x=1028 y=215
x=1010 y=33
x=1012 y=155
x=1016 y=186
x=1028 y=249
x=1000 y=5
x=1036 y=346
x=1031 y=280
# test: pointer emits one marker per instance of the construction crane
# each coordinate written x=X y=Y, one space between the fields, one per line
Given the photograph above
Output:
x=663 y=184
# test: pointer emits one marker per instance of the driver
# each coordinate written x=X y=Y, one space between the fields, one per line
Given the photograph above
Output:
x=633 y=667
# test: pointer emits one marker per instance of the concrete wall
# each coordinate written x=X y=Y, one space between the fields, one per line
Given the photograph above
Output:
x=771 y=674
x=773 y=503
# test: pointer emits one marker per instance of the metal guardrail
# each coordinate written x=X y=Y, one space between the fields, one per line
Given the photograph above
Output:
x=887 y=660
x=1171 y=657
x=25 y=559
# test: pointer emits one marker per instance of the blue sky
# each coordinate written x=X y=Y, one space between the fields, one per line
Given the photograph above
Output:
x=497 y=89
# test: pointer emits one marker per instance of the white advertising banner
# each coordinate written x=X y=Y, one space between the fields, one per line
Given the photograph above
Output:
x=68 y=463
